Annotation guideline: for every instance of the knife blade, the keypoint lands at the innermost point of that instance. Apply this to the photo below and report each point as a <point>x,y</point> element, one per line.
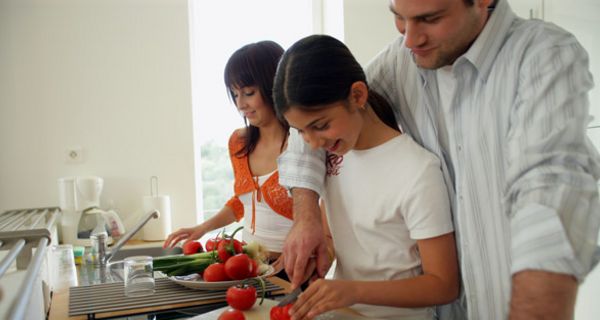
<point>293,296</point>
<point>290,297</point>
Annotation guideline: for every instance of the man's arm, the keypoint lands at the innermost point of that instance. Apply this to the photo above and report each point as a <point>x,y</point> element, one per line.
<point>552,170</point>
<point>306,239</point>
<point>542,294</point>
<point>303,170</point>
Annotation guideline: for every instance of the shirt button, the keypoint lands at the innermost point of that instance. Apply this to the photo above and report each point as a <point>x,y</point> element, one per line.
<point>459,148</point>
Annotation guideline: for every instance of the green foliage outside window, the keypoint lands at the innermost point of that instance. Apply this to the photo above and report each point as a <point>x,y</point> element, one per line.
<point>217,177</point>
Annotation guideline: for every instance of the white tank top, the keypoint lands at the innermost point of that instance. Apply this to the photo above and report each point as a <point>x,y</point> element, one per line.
<point>271,228</point>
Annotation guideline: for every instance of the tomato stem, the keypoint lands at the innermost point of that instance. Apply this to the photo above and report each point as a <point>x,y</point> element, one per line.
<point>263,287</point>
<point>230,246</point>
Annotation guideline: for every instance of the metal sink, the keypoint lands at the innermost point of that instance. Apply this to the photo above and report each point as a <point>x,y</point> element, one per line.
<point>148,251</point>
<point>89,273</point>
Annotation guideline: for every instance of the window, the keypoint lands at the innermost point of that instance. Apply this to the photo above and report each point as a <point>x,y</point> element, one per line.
<point>217,29</point>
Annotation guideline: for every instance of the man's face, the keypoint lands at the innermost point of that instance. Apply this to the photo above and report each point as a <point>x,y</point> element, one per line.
<point>439,31</point>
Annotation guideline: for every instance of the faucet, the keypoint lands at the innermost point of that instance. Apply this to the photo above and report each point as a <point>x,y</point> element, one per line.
<point>104,257</point>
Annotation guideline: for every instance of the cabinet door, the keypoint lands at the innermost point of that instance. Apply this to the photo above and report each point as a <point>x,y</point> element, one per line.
<point>532,9</point>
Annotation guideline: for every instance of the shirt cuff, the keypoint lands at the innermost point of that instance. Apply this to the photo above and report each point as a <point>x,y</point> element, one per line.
<point>431,232</point>
<point>539,242</point>
<point>298,170</point>
<point>300,166</point>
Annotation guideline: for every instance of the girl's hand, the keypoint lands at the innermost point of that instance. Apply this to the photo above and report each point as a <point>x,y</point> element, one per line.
<point>187,234</point>
<point>322,296</point>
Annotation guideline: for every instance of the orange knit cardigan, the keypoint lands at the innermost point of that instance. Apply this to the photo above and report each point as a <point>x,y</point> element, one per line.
<point>276,196</point>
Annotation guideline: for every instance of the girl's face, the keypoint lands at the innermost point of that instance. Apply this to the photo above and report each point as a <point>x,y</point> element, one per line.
<point>334,127</point>
<point>252,106</point>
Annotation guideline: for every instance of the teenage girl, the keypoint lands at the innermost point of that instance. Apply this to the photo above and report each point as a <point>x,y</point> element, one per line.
<point>258,197</point>
<point>387,204</point>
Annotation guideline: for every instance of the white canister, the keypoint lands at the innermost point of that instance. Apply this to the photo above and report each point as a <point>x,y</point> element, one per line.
<point>157,229</point>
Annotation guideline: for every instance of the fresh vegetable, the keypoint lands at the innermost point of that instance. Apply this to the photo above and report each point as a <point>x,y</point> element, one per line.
<point>192,247</point>
<point>238,267</point>
<point>254,271</point>
<point>243,296</point>
<point>215,272</point>
<point>211,244</point>
<point>281,313</point>
<point>178,265</point>
<point>232,314</point>
<point>229,246</point>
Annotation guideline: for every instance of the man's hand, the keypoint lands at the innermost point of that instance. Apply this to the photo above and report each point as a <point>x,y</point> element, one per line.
<point>542,295</point>
<point>306,239</point>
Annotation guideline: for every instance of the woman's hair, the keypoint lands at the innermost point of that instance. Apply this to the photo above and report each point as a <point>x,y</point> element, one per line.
<point>320,70</point>
<point>253,65</point>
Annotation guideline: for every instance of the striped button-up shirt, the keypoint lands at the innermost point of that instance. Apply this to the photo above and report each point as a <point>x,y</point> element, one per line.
<point>520,170</point>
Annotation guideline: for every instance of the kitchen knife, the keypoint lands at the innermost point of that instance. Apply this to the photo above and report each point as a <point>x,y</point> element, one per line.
<point>290,297</point>
<point>293,296</point>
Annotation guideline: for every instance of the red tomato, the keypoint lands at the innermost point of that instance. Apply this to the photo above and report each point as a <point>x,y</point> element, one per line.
<point>215,272</point>
<point>192,247</point>
<point>254,272</point>
<point>280,313</point>
<point>225,252</point>
<point>238,246</point>
<point>238,267</point>
<point>241,297</point>
<point>211,244</point>
<point>232,314</point>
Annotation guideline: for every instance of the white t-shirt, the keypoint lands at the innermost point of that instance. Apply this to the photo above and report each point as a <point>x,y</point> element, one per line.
<point>271,227</point>
<point>383,200</point>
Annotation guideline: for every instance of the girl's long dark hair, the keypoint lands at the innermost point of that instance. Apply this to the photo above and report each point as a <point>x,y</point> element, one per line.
<point>319,70</point>
<point>253,65</point>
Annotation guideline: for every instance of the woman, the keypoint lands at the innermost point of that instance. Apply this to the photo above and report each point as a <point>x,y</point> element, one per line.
<point>266,206</point>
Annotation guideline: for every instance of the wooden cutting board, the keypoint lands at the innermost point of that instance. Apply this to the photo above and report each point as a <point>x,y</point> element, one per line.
<point>262,313</point>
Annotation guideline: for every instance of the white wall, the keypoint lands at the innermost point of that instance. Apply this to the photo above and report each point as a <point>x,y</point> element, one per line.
<point>368,27</point>
<point>110,76</point>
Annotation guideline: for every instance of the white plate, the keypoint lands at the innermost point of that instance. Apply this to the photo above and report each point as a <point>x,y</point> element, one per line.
<point>194,281</point>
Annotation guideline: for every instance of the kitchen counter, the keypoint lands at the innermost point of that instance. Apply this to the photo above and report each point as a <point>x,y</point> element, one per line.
<point>60,305</point>
<point>89,274</point>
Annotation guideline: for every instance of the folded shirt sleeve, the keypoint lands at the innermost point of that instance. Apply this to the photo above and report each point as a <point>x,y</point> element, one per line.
<point>552,167</point>
<point>300,166</point>
<point>540,242</point>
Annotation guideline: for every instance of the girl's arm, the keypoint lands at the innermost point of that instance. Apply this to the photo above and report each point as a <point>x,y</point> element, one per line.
<point>439,284</point>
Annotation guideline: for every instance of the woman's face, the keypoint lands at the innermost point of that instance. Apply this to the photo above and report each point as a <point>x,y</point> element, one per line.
<point>334,127</point>
<point>252,106</point>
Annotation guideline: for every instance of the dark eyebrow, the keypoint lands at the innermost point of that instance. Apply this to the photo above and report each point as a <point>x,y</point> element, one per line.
<point>419,17</point>
<point>429,14</point>
<point>308,125</point>
<point>314,121</point>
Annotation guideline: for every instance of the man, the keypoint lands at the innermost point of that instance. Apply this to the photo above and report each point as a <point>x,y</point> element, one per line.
<point>503,102</point>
